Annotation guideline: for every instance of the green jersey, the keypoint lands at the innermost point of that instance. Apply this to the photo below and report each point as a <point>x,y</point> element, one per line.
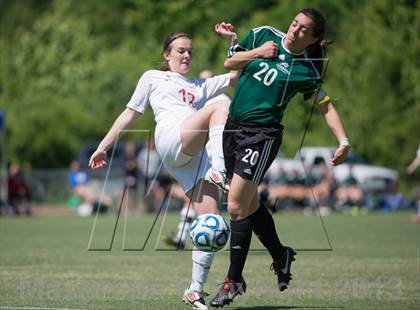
<point>266,86</point>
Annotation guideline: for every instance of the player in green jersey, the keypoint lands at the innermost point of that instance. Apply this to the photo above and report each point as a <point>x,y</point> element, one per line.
<point>253,132</point>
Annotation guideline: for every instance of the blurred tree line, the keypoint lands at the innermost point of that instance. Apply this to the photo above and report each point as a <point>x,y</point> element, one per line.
<point>68,67</point>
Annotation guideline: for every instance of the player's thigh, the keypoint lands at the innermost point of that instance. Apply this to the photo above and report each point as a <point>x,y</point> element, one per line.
<point>194,129</point>
<point>355,193</point>
<point>254,159</point>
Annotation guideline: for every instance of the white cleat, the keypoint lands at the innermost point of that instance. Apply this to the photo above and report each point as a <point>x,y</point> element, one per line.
<point>195,299</point>
<point>217,178</point>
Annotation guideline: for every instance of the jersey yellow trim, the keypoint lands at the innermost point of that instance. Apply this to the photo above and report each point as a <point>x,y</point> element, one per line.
<point>321,97</point>
<point>324,100</point>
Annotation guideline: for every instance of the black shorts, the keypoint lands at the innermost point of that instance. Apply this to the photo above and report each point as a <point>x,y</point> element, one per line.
<point>250,148</point>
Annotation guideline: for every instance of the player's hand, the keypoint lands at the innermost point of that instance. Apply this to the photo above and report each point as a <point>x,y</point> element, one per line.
<point>225,30</point>
<point>98,159</point>
<point>268,50</point>
<point>340,155</point>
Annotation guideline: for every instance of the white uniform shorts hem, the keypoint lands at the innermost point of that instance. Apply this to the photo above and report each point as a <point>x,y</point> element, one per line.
<point>187,170</point>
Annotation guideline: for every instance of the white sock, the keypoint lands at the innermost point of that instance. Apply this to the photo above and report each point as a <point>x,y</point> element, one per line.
<point>215,144</point>
<point>200,269</point>
<point>184,225</point>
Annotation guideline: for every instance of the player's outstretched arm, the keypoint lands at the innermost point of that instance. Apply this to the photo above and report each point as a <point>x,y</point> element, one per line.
<point>411,168</point>
<point>334,122</point>
<point>126,118</point>
<point>226,31</point>
<point>240,59</point>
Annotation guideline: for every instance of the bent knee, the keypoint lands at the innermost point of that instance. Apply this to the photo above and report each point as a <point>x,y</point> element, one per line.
<point>234,210</point>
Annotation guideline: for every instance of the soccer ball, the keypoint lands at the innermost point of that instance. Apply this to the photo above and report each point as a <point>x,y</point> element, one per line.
<point>209,232</point>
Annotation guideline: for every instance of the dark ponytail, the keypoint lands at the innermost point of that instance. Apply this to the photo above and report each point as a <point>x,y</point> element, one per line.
<point>167,46</point>
<point>317,50</point>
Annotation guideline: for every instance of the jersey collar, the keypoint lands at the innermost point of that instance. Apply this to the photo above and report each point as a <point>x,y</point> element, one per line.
<point>178,75</point>
<point>294,54</point>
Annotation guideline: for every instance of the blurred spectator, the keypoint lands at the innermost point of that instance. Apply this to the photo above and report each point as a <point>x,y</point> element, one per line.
<point>102,206</point>
<point>78,181</point>
<point>280,177</point>
<point>91,208</point>
<point>393,199</point>
<point>3,204</point>
<point>148,161</point>
<point>76,176</point>
<point>187,215</point>
<point>157,180</point>
<point>349,193</point>
<point>264,196</point>
<point>83,196</point>
<point>288,190</point>
<point>18,191</point>
<point>131,174</point>
<point>322,183</point>
<point>292,190</point>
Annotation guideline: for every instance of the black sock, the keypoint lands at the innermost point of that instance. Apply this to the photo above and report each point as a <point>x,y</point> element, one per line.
<point>265,229</point>
<point>240,239</point>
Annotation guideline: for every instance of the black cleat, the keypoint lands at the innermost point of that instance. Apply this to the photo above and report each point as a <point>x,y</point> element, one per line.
<point>227,292</point>
<point>282,268</point>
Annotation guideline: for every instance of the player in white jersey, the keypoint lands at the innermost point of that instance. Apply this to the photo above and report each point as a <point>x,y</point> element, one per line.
<point>187,214</point>
<point>184,124</point>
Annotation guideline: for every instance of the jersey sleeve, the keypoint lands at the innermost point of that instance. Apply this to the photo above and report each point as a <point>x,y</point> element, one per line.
<point>311,88</point>
<point>319,97</point>
<point>312,85</point>
<point>244,45</point>
<point>212,87</point>
<point>255,38</point>
<point>140,98</point>
<point>247,42</point>
<point>263,35</point>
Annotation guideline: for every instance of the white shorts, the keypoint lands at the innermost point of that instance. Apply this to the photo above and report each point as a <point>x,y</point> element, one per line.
<point>187,170</point>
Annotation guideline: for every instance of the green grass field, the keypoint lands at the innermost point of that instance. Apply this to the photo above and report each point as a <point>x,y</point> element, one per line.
<point>44,263</point>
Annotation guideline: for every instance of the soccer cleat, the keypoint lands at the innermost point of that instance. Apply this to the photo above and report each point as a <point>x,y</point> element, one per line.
<point>227,292</point>
<point>173,241</point>
<point>217,178</point>
<point>195,299</point>
<point>282,268</point>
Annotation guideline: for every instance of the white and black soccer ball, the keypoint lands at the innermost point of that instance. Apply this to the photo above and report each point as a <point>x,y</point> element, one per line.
<point>210,232</point>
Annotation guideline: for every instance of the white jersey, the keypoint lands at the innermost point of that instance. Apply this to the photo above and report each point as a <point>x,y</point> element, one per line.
<point>218,98</point>
<point>172,96</point>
